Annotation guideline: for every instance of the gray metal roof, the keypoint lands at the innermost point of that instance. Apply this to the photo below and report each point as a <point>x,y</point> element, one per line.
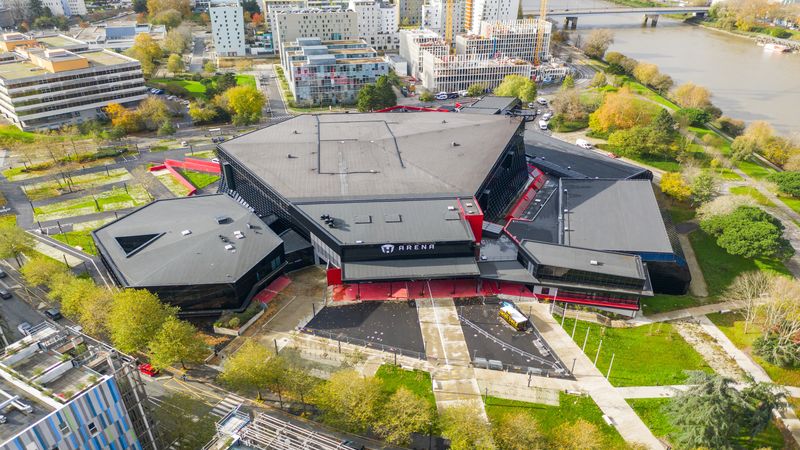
<point>609,263</point>
<point>511,271</point>
<point>617,215</point>
<point>569,160</point>
<point>491,104</point>
<point>382,221</point>
<point>410,269</point>
<point>197,258</point>
<point>374,155</point>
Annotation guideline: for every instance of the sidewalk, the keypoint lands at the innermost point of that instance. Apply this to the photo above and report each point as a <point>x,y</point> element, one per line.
<point>684,313</point>
<point>607,397</point>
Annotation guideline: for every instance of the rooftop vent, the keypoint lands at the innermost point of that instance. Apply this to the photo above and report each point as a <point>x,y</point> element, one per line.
<point>392,218</point>
<point>451,208</point>
<point>229,247</point>
<point>359,242</point>
<point>566,210</point>
<point>363,219</point>
<point>238,234</point>
<point>594,262</point>
<point>455,144</point>
<point>444,121</point>
<point>295,132</point>
<point>186,232</point>
<point>291,156</point>
<point>133,244</point>
<point>223,219</point>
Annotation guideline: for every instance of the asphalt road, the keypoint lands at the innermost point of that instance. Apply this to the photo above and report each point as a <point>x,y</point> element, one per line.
<point>15,310</point>
<point>196,63</point>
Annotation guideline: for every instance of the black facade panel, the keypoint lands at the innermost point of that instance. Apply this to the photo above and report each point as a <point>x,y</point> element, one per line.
<point>669,277</point>
<point>396,251</point>
<point>507,178</point>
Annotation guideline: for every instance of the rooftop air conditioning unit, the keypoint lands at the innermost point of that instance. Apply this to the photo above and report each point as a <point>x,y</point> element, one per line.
<point>229,247</point>
<point>186,232</point>
<point>451,208</point>
<point>594,262</point>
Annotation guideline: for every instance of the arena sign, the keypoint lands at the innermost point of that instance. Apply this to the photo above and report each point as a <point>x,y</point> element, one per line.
<point>388,249</point>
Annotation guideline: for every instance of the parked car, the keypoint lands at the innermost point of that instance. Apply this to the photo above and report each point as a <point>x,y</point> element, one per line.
<point>547,116</point>
<point>531,105</point>
<point>543,124</point>
<point>441,96</point>
<point>215,160</point>
<point>2,274</point>
<point>24,328</point>
<point>353,445</point>
<point>452,95</point>
<point>53,314</point>
<point>541,101</point>
<point>463,93</point>
<point>583,143</point>
<point>148,370</point>
<point>4,294</point>
<point>184,144</point>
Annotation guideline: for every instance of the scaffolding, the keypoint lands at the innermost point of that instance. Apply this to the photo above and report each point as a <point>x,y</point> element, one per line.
<point>510,38</point>
<point>452,73</point>
<point>270,433</point>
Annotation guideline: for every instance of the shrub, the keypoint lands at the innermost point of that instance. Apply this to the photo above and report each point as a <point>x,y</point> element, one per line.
<point>768,348</point>
<point>788,182</point>
<point>234,322</point>
<point>780,33</point>
<point>692,116</point>
<point>730,126</point>
<point>748,232</point>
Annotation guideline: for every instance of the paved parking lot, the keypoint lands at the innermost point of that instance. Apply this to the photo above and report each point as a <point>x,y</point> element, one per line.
<point>488,336</point>
<point>392,324</point>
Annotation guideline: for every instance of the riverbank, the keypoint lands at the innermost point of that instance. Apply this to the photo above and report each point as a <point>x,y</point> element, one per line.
<point>710,25</point>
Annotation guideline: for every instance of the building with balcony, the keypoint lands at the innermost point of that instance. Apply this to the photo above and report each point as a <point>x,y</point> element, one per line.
<point>227,28</point>
<point>60,389</point>
<point>67,8</point>
<point>414,42</point>
<point>330,72</point>
<point>45,86</point>
<point>329,24</point>
<point>410,12</point>
<point>512,39</point>
<point>377,23</point>
<point>477,11</point>
<point>452,73</point>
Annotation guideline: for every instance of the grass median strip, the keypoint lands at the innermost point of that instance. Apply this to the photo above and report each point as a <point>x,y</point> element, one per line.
<point>54,188</point>
<point>111,200</point>
<point>174,186</point>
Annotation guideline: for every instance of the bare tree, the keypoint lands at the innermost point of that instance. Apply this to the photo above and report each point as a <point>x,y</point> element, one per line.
<point>781,313</point>
<point>750,290</point>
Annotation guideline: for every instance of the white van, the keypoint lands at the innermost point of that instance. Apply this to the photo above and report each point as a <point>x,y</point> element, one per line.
<point>543,124</point>
<point>583,143</point>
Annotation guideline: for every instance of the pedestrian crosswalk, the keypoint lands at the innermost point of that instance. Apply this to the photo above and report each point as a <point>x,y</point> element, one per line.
<point>227,405</point>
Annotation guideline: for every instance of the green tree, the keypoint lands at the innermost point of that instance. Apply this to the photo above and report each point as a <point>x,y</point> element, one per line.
<point>673,184</point>
<point>175,63</point>
<point>243,103</point>
<point>349,401</point>
<point>664,123</point>
<point>743,147</point>
<point>599,80</point>
<point>247,368</point>
<point>705,187</point>
<point>140,6</point>
<point>170,18</point>
<point>788,182</point>
<point>517,86</point>
<point>209,67</point>
<point>14,241</point>
<point>153,112</point>
<point>475,90</point>
<point>580,435</point>
<point>135,318</point>
<point>518,431</point>
<point>146,50</point>
<point>426,96</point>
<point>597,43</point>
<point>177,341</point>
<point>466,429</point>
<point>178,39</point>
<point>166,128</point>
<point>749,232</point>
<point>42,271</point>
<point>367,98</point>
<point>712,412</point>
<point>377,96</point>
<point>403,414</point>
<point>300,384</point>
<point>568,83</point>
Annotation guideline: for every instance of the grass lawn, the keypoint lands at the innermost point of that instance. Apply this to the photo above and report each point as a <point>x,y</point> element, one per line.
<point>732,324</point>
<point>110,200</point>
<point>755,169</point>
<point>760,198</point>
<point>728,174</point>
<point>197,89</point>
<point>552,418</point>
<point>560,125</point>
<point>173,185</point>
<point>651,411</point>
<point>8,219</point>
<point>205,154</point>
<point>791,202</point>
<point>54,188</point>
<point>416,381</point>
<point>720,268</point>
<point>651,355</point>
<point>679,213</point>
<point>659,162</point>
<point>245,80</point>
<point>662,303</point>
<point>200,179</point>
<point>82,239</point>
<point>650,94</point>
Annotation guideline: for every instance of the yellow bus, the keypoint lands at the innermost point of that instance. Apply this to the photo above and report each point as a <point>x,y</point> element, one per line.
<point>513,317</point>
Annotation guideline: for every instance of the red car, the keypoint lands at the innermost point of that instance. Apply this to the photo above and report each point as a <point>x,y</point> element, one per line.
<point>148,370</point>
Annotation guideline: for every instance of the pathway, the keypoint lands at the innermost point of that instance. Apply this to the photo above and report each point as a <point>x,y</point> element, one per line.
<point>453,377</point>
<point>629,425</point>
<point>697,286</point>
<point>684,313</point>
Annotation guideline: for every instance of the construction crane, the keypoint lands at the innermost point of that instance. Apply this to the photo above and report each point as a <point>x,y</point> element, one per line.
<point>537,48</point>
<point>448,23</point>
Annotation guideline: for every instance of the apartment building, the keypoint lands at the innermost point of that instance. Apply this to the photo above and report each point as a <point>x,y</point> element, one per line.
<point>477,11</point>
<point>377,23</point>
<point>270,7</point>
<point>66,7</point>
<point>227,28</point>
<point>414,42</point>
<point>330,72</point>
<point>60,389</point>
<point>433,16</point>
<point>456,72</point>
<point>47,87</point>
<point>326,24</point>
<point>510,38</point>
<point>117,36</point>
<point>410,11</point>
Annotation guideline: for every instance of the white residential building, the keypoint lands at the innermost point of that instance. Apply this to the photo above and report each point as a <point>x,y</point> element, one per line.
<point>325,24</point>
<point>457,72</point>
<point>412,44</point>
<point>410,11</point>
<point>227,28</point>
<point>66,7</point>
<point>433,16</point>
<point>477,11</point>
<point>377,23</point>
<point>512,38</point>
<point>270,7</point>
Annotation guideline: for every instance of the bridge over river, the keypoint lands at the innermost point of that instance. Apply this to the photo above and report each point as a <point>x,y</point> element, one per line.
<point>649,13</point>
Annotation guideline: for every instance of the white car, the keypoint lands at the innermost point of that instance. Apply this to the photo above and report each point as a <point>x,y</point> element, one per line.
<point>541,101</point>
<point>462,93</point>
<point>543,124</point>
<point>547,116</point>
<point>184,143</point>
<point>441,96</point>
<point>583,143</point>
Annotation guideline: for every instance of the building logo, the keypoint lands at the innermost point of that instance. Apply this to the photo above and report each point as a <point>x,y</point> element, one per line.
<point>387,248</point>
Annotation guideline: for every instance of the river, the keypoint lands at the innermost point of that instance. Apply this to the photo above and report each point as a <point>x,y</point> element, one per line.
<point>747,83</point>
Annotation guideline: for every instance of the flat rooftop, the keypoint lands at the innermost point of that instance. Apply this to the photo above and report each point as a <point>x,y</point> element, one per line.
<point>59,41</point>
<point>149,247</point>
<point>618,215</point>
<point>379,222</point>
<point>609,263</point>
<point>16,420</point>
<point>375,155</point>
<point>24,69</point>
